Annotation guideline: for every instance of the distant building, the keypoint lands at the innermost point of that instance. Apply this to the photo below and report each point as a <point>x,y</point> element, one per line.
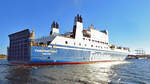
<point>139,52</point>
<point>2,56</point>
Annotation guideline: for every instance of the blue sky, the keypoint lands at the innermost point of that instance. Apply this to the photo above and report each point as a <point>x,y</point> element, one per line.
<point>128,21</point>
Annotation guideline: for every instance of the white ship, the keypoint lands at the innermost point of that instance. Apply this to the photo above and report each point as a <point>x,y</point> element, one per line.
<point>76,47</point>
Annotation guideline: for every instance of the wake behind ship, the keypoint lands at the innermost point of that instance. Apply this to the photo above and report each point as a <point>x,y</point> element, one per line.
<point>77,47</point>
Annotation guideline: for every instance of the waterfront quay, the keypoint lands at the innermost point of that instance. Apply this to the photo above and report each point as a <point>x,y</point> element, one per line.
<point>2,56</point>
<point>138,57</point>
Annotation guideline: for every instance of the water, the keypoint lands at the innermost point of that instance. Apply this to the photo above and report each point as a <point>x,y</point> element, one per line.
<point>135,72</point>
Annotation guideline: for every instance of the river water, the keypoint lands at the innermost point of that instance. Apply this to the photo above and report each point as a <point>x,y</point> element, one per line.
<point>131,72</point>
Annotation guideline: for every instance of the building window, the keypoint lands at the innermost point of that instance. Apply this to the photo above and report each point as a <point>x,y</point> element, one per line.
<point>74,43</point>
<point>66,42</point>
<point>91,45</point>
<point>85,44</point>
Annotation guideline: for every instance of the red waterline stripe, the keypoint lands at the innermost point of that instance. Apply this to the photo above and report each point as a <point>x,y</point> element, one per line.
<point>40,64</point>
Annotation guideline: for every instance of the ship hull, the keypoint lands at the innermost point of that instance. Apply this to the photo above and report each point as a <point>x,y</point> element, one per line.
<point>60,54</point>
<point>62,63</point>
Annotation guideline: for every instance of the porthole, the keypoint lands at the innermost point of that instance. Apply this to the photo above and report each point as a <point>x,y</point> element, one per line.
<point>48,58</point>
<point>66,42</point>
<point>79,44</point>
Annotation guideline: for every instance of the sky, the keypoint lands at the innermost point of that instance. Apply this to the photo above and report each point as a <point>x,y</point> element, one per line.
<point>128,21</point>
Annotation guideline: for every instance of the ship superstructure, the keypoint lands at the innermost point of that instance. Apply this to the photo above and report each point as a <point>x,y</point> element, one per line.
<point>79,46</point>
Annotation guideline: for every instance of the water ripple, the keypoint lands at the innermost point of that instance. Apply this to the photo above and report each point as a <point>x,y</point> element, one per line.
<point>136,72</point>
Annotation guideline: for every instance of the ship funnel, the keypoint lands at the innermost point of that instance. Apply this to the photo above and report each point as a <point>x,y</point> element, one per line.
<point>78,27</point>
<point>54,28</point>
<point>53,24</point>
<point>78,18</point>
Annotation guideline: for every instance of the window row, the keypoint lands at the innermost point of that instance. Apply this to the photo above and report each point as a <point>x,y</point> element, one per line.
<point>66,42</point>
<point>95,41</point>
